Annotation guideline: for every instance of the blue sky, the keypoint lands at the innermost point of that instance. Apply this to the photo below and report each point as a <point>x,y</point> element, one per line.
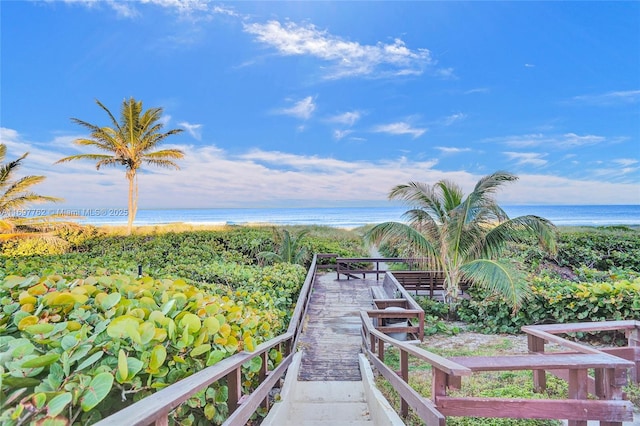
<point>328,104</point>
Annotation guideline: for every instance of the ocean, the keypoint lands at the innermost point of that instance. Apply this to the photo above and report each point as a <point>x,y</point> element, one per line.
<point>352,217</point>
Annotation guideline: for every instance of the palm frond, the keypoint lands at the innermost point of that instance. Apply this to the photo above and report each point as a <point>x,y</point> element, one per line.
<point>451,195</point>
<point>99,157</point>
<point>498,278</point>
<point>421,196</point>
<point>115,123</point>
<point>168,164</point>
<point>518,230</point>
<point>165,153</point>
<point>389,232</point>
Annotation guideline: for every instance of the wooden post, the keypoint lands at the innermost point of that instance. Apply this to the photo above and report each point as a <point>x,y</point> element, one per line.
<point>162,421</point>
<point>263,375</point>
<point>438,384</point>
<point>536,345</point>
<point>578,390</point>
<point>234,380</point>
<point>404,373</point>
<point>613,380</point>
<point>633,337</point>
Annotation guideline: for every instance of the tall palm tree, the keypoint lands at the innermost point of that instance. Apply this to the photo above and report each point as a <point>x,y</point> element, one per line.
<point>129,143</point>
<point>16,195</point>
<point>464,236</point>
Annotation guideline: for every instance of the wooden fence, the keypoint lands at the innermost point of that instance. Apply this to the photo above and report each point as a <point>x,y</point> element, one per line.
<point>610,376</point>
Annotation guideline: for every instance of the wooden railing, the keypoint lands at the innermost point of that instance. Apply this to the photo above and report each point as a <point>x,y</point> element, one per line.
<point>373,342</point>
<point>157,407</point>
<point>394,295</point>
<point>351,267</point>
<point>610,377</point>
<point>538,335</point>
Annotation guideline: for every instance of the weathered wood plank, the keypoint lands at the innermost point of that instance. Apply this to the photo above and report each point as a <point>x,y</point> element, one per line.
<point>331,339</point>
<point>613,411</point>
<point>542,362</point>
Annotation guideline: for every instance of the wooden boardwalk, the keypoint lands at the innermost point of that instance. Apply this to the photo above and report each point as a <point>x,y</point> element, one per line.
<point>331,339</point>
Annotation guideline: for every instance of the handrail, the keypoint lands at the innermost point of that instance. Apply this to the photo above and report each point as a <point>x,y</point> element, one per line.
<point>156,407</point>
<point>374,340</point>
<point>341,262</point>
<point>538,335</point>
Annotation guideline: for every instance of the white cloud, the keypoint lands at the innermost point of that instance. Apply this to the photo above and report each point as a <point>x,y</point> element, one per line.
<point>212,177</point>
<point>477,90</point>
<point>348,58</point>
<point>448,121</point>
<point>625,162</point>
<point>399,128</point>
<point>348,118</point>
<point>193,9</point>
<point>339,134</point>
<point>527,158</point>
<point>302,109</point>
<point>195,130</point>
<point>571,140</point>
<point>451,150</point>
<point>529,65</point>
<point>565,141</point>
<point>610,98</point>
<point>122,9</point>
<point>551,189</point>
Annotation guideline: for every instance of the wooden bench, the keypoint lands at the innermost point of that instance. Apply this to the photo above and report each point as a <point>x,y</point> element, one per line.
<point>426,283</point>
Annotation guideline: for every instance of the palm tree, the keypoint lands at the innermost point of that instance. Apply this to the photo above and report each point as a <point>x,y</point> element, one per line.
<point>15,195</point>
<point>129,143</point>
<point>290,248</point>
<point>465,236</point>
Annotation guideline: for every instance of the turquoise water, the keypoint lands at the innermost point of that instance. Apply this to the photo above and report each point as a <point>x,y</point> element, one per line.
<point>350,217</point>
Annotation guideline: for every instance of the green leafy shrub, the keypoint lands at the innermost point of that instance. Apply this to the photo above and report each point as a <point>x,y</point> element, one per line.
<point>555,301</point>
<point>72,349</point>
<point>34,246</point>
<point>600,248</point>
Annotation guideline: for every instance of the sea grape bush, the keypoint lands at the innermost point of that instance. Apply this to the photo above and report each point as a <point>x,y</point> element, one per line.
<point>196,256</point>
<point>604,249</point>
<point>557,301</point>
<point>76,350</point>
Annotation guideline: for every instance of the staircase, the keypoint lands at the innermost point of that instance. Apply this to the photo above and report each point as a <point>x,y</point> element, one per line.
<point>330,381</point>
<point>331,403</point>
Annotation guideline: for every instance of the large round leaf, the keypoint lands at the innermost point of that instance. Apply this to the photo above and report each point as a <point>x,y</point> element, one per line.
<point>212,325</point>
<point>98,389</point>
<point>110,301</point>
<point>123,368</point>
<point>41,361</point>
<point>158,356</point>
<point>58,403</point>
<point>191,321</point>
<point>120,326</point>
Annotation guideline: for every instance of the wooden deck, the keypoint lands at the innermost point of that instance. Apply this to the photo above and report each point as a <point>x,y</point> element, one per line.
<point>330,338</point>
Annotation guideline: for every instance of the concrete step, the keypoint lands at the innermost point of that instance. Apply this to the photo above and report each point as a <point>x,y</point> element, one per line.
<point>331,403</point>
<point>329,392</point>
<point>330,423</point>
<point>331,413</point>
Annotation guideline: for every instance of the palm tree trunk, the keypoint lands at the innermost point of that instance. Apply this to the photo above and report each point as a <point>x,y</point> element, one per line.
<point>132,202</point>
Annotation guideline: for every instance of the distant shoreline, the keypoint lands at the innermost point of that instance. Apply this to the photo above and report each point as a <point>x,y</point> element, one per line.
<point>353,217</point>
